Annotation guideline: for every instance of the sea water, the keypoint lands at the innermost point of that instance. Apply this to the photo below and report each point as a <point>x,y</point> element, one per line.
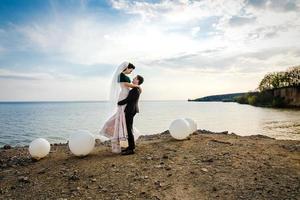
<point>21,122</point>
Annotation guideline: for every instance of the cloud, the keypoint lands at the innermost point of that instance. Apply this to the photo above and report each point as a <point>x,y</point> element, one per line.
<point>88,42</point>
<point>145,9</point>
<point>252,62</point>
<point>257,3</point>
<point>50,75</point>
<point>178,11</point>
<point>53,89</point>
<point>268,32</point>
<point>180,37</point>
<point>159,30</point>
<point>239,21</point>
<point>276,5</point>
<point>8,74</point>
<point>23,86</point>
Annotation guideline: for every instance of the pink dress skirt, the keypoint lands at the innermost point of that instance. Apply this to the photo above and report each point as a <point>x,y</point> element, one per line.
<point>115,128</point>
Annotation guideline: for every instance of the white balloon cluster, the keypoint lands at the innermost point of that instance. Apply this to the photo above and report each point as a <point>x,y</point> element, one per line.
<point>193,124</point>
<point>81,143</point>
<point>39,148</point>
<point>182,128</point>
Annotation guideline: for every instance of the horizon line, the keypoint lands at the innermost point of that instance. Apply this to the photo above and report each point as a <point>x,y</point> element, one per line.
<point>74,101</point>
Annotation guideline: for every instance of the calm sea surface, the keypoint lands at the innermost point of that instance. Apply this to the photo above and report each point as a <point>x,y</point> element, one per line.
<point>20,123</point>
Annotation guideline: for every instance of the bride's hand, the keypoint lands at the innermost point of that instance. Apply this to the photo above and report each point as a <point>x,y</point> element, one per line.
<point>130,85</point>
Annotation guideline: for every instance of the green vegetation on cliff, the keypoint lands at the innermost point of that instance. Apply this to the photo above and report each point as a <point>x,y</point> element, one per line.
<point>275,80</point>
<point>272,81</point>
<point>264,99</point>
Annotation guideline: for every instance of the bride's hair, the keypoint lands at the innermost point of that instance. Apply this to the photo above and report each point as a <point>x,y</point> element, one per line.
<point>130,66</point>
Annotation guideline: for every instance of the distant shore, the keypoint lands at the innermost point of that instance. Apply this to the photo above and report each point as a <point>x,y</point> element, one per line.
<point>284,97</point>
<point>207,165</point>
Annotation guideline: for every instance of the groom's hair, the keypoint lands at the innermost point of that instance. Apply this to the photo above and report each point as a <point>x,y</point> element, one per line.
<point>140,78</point>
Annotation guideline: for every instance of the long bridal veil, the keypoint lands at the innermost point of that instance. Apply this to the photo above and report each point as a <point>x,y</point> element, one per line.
<point>115,88</point>
<point>113,97</point>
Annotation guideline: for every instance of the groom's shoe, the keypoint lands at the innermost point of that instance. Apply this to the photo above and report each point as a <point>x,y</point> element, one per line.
<point>127,152</point>
<point>124,149</point>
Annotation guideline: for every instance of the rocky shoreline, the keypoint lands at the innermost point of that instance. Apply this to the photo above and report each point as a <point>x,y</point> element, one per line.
<point>207,165</point>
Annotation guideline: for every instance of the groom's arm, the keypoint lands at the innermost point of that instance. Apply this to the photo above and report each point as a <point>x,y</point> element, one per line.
<point>132,96</point>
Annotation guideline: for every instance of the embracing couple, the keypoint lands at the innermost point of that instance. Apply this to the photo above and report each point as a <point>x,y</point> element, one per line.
<point>124,96</point>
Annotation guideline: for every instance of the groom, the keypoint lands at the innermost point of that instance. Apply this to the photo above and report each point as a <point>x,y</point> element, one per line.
<point>130,110</point>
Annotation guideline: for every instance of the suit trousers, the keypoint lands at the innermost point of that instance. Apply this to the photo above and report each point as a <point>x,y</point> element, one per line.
<point>129,123</point>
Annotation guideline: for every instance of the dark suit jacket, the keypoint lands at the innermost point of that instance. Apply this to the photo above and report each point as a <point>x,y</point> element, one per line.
<point>131,101</point>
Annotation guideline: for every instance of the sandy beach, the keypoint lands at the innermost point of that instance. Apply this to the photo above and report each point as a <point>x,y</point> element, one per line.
<point>207,165</point>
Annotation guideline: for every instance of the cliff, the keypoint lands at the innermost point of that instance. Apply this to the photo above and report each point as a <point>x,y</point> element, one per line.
<point>290,95</point>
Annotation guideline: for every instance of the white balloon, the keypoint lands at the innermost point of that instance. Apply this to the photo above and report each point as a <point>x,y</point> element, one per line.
<point>81,143</point>
<point>179,129</point>
<point>39,148</point>
<point>192,124</point>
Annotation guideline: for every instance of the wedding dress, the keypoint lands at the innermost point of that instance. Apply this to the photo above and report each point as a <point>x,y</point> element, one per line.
<point>115,127</point>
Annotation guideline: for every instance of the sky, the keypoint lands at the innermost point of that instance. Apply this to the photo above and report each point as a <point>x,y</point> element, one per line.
<point>67,50</point>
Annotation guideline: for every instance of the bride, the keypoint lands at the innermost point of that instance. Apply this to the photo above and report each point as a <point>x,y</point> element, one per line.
<point>115,127</point>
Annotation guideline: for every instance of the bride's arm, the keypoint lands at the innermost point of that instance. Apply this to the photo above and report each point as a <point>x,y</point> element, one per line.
<point>130,85</point>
